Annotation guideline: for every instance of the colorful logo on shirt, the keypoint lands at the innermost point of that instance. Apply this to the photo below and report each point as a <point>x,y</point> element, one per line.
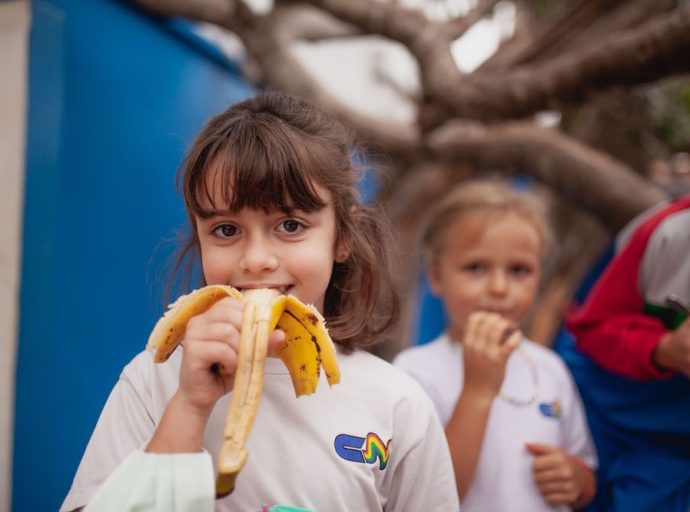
<point>551,409</point>
<point>365,450</point>
<point>283,508</point>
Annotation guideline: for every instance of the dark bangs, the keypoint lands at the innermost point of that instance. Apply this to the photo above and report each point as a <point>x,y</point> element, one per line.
<point>272,152</point>
<point>257,163</point>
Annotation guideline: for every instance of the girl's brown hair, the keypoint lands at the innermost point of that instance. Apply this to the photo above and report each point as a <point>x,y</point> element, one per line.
<point>271,150</point>
<point>491,197</point>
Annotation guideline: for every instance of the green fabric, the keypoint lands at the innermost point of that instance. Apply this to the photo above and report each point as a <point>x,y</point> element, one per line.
<point>283,508</point>
<point>151,482</point>
<point>670,317</point>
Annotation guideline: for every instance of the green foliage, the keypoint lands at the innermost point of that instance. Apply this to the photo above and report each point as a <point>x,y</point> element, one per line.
<point>669,104</point>
<point>543,7</point>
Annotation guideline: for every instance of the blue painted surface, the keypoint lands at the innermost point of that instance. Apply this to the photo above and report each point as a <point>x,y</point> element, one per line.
<point>431,319</point>
<point>115,97</point>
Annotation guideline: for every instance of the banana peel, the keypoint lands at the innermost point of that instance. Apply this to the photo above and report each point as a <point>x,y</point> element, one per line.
<point>306,349</point>
<point>169,330</point>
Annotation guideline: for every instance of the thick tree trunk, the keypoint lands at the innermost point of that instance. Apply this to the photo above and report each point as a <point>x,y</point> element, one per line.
<point>596,182</point>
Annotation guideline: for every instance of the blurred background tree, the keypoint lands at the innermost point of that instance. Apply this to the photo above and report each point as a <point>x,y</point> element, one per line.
<point>590,99</point>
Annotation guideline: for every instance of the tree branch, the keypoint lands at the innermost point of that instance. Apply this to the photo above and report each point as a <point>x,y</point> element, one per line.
<point>563,25</point>
<point>457,28</point>
<point>306,23</point>
<point>269,47</point>
<point>425,39</point>
<point>600,184</point>
<point>211,11</point>
<point>655,50</point>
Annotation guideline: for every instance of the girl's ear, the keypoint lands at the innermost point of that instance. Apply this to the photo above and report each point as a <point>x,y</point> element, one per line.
<point>342,250</point>
<point>434,277</point>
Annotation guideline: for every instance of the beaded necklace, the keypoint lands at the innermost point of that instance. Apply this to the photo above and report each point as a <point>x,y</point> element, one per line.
<point>535,383</point>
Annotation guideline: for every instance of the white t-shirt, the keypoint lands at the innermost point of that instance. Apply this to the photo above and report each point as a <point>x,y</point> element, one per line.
<point>372,442</point>
<point>503,479</point>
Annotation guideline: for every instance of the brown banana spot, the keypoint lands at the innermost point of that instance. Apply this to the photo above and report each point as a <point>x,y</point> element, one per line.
<point>223,494</point>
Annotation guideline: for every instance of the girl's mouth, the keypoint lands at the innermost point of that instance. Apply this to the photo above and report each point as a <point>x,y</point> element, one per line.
<point>284,290</point>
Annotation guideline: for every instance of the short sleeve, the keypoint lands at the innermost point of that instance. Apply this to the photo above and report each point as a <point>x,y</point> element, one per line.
<point>424,479</point>
<point>124,426</point>
<point>152,482</point>
<point>577,439</point>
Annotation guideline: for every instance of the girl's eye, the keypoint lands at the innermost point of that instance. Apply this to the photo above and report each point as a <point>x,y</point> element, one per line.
<point>290,226</point>
<point>520,270</point>
<point>473,268</point>
<point>225,231</point>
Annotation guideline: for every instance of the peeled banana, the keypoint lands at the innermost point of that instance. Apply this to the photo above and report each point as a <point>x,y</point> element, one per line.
<point>307,347</point>
<point>169,330</point>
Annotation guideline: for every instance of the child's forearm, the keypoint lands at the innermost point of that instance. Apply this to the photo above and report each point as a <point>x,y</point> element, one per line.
<point>465,433</point>
<point>180,430</point>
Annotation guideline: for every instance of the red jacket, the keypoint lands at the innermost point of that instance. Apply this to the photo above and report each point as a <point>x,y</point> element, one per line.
<point>614,327</point>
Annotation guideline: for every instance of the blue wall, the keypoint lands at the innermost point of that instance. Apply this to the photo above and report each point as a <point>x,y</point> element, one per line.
<point>115,97</point>
<point>430,318</point>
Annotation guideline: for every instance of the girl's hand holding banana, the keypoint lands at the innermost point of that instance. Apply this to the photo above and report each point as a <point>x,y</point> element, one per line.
<point>211,342</point>
<point>227,335</point>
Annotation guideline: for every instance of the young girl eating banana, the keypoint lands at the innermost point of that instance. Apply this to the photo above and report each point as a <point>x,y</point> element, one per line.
<point>514,421</point>
<point>272,202</point>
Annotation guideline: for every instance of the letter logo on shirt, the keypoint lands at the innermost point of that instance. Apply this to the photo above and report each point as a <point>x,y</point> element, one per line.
<point>551,409</point>
<point>364,450</point>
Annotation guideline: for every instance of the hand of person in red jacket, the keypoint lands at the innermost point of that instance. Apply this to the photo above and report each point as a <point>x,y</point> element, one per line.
<point>673,351</point>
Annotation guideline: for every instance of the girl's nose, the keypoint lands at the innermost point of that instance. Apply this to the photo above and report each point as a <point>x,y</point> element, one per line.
<point>258,256</point>
<point>498,283</point>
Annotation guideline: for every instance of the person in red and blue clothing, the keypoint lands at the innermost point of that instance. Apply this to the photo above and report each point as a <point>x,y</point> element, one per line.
<point>630,356</point>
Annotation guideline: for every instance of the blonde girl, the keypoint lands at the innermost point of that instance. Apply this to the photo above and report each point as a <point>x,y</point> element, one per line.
<point>513,418</point>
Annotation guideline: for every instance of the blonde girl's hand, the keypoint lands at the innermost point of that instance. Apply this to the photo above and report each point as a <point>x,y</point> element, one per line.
<point>559,478</point>
<point>212,341</point>
<point>488,341</point>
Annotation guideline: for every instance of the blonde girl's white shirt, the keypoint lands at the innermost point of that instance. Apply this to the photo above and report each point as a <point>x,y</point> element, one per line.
<point>503,478</point>
<point>296,444</point>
